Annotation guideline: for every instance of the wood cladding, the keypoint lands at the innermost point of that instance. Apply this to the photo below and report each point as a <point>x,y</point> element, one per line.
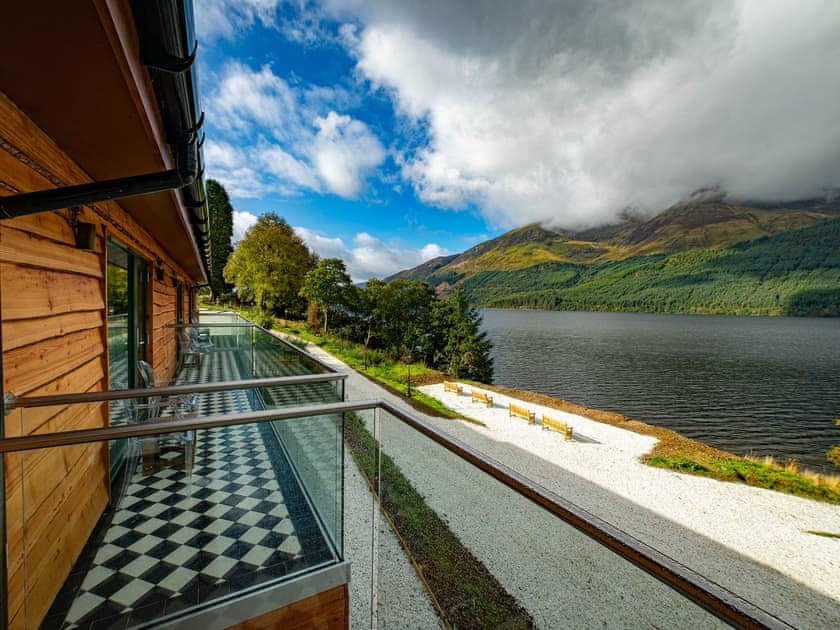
<point>327,610</point>
<point>53,306</point>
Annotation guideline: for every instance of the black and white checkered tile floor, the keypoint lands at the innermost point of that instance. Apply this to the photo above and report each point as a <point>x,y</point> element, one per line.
<point>169,545</point>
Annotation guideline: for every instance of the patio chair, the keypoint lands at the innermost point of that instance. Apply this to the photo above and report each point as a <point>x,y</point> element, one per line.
<point>190,351</point>
<point>177,405</point>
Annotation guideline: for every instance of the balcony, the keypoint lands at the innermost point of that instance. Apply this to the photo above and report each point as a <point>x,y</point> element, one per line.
<point>259,520</point>
<point>203,517</point>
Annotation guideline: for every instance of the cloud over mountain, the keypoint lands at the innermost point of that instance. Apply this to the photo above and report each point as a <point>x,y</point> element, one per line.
<point>568,112</point>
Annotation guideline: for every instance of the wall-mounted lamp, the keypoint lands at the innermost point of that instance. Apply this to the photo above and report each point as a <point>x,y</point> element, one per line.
<point>83,232</point>
<point>159,270</point>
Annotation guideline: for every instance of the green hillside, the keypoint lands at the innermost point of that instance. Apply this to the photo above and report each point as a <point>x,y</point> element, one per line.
<point>700,256</point>
<point>793,273</point>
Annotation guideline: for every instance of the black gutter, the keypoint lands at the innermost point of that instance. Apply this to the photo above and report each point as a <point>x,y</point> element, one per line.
<point>168,49</point>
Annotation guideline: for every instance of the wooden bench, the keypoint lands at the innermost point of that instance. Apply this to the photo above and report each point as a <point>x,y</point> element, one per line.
<point>522,412</point>
<point>449,386</point>
<point>552,423</point>
<point>482,397</point>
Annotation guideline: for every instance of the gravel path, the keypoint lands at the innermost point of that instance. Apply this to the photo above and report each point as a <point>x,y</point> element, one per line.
<point>749,540</point>
<point>405,603</point>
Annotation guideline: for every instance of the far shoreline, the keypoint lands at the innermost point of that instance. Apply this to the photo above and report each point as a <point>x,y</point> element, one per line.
<point>669,313</point>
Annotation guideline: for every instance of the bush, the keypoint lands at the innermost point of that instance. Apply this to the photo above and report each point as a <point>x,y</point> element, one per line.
<point>834,455</point>
<point>263,319</point>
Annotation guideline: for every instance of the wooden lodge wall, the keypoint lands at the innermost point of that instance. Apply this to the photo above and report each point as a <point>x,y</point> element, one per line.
<point>54,336</point>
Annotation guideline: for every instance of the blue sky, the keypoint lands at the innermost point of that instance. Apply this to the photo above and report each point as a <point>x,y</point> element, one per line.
<point>337,140</point>
<point>389,132</point>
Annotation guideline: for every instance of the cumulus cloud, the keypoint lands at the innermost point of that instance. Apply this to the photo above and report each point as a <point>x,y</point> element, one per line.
<point>366,256</point>
<point>281,138</point>
<point>342,152</point>
<point>569,112</point>
<point>242,220</point>
<point>227,19</point>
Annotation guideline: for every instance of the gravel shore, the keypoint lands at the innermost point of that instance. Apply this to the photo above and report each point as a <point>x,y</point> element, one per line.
<point>749,540</point>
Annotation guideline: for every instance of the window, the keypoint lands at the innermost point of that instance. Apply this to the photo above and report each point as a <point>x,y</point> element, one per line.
<point>127,319</point>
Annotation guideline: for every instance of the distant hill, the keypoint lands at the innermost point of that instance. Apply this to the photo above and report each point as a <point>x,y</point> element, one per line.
<point>702,256</point>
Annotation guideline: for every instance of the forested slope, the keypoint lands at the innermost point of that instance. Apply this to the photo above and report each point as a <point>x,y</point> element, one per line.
<point>793,273</point>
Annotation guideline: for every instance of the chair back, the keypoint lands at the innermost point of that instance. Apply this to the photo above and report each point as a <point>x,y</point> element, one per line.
<point>147,374</point>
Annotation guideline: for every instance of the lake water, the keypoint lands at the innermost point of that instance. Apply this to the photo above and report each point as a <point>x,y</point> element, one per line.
<point>762,385</point>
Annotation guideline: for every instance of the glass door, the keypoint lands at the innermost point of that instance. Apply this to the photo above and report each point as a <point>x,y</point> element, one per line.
<point>127,288</point>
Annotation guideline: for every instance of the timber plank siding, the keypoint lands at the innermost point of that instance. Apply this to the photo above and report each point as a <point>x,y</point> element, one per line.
<point>328,610</point>
<point>53,306</point>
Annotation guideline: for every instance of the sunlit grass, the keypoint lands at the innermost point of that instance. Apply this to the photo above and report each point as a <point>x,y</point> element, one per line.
<point>400,378</point>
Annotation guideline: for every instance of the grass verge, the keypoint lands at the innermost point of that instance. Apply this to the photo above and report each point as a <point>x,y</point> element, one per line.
<point>469,596</point>
<point>393,375</point>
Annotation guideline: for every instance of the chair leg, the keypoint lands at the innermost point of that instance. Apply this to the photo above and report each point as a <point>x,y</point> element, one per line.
<point>189,458</point>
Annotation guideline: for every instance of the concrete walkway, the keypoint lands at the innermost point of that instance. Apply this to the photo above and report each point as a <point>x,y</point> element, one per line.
<point>560,576</point>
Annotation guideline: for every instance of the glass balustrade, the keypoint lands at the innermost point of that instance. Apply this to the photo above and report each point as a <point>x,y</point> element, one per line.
<point>490,556</point>
<point>190,518</point>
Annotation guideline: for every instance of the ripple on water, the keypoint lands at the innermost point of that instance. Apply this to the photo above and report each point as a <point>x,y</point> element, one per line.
<point>769,386</point>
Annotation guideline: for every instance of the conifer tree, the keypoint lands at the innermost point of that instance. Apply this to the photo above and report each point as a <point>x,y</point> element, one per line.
<point>221,233</point>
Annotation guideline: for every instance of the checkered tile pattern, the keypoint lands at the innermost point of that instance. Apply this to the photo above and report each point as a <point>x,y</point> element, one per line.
<point>169,545</point>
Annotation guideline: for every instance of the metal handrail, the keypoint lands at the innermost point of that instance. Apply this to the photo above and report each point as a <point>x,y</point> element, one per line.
<point>248,324</point>
<point>213,325</point>
<point>13,403</point>
<point>716,599</point>
<point>175,425</point>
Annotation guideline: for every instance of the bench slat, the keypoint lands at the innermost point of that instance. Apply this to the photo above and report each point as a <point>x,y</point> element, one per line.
<point>557,425</point>
<point>522,412</point>
<point>482,397</point>
<point>449,386</point>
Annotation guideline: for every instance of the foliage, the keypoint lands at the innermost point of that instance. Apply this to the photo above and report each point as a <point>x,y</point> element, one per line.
<point>328,285</point>
<point>221,233</point>
<point>793,273</point>
<point>409,322</point>
<point>117,290</point>
<point>269,264</point>
<point>463,351</point>
<point>833,454</point>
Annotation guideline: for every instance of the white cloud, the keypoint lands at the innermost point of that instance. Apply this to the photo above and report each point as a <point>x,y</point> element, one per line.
<point>279,138</point>
<point>368,257</point>
<point>242,220</point>
<point>243,99</point>
<point>432,250</point>
<point>343,153</point>
<point>569,112</point>
<point>228,19</point>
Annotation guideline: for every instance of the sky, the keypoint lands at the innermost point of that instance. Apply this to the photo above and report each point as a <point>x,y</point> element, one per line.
<point>391,132</point>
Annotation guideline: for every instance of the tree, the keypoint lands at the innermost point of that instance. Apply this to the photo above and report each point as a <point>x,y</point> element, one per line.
<point>466,351</point>
<point>269,264</point>
<point>404,309</point>
<point>221,233</point>
<point>327,285</point>
<point>371,308</point>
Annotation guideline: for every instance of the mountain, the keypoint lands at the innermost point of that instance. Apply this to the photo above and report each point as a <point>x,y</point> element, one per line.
<point>704,255</point>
